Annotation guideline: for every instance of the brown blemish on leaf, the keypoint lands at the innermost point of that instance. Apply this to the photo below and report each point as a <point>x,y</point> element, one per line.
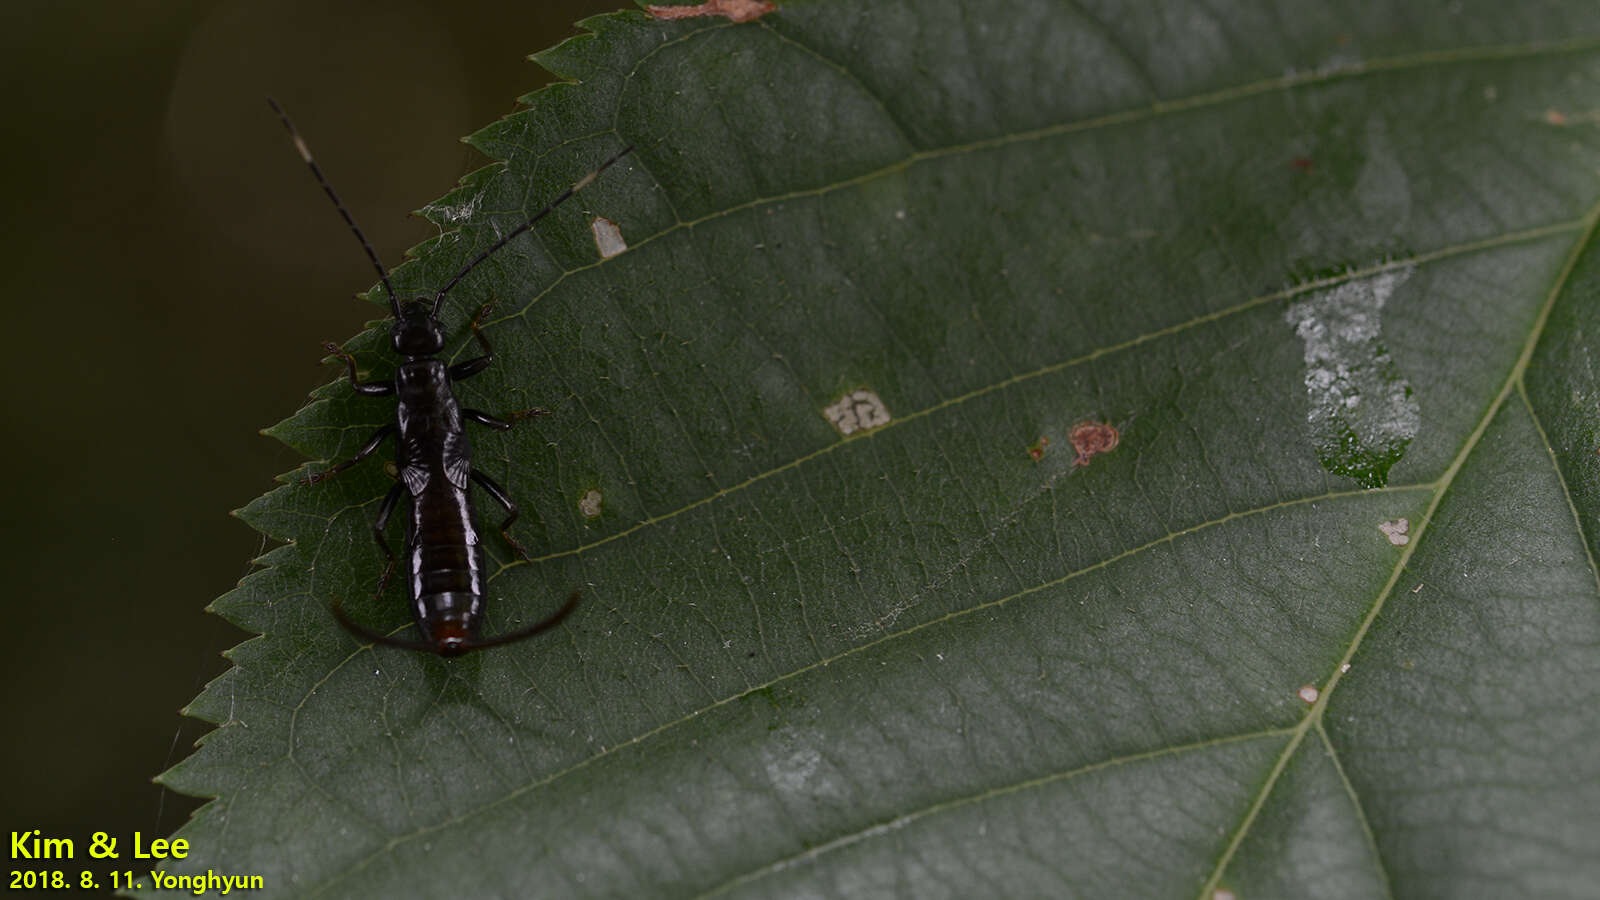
<point>1091,439</point>
<point>1036,452</point>
<point>1555,117</point>
<point>732,10</point>
<point>1303,163</point>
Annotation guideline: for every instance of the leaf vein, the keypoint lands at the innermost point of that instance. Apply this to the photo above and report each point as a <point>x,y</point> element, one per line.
<point>1566,490</point>
<point>1360,810</point>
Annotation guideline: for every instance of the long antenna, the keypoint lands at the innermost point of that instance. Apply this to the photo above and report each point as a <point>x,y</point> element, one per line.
<point>305,154</point>
<point>438,299</point>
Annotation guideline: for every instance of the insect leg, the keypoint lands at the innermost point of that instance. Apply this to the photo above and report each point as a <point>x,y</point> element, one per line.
<point>350,625</point>
<point>366,451</point>
<point>378,525</point>
<point>501,497</point>
<point>471,367</point>
<point>483,418</point>
<point>369,388</point>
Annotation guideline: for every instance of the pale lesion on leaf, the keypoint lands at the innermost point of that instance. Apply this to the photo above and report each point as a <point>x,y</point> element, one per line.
<point>1397,531</point>
<point>732,10</point>
<point>857,411</point>
<point>607,237</point>
<point>590,503</point>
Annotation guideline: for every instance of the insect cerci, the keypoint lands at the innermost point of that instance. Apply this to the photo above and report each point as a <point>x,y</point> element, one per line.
<point>443,548</point>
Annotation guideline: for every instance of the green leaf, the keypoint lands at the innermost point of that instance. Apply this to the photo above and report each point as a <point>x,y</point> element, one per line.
<point>1325,621</point>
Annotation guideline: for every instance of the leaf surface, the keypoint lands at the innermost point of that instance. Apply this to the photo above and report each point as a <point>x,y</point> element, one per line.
<point>860,619</point>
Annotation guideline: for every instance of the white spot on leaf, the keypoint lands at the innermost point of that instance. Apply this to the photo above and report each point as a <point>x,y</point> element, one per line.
<point>1362,415</point>
<point>607,237</point>
<point>1395,530</point>
<point>1309,693</point>
<point>861,410</point>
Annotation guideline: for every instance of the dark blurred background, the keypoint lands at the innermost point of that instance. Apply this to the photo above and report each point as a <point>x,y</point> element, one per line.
<point>170,270</point>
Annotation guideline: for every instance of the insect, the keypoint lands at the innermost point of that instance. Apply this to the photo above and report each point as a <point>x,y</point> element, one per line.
<point>443,550</point>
